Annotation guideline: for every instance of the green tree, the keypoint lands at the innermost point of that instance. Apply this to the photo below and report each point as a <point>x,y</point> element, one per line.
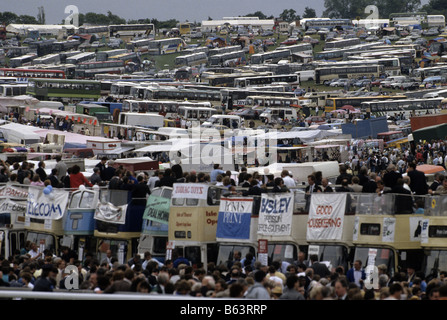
<point>8,17</point>
<point>258,14</point>
<point>309,13</point>
<point>26,19</point>
<point>288,15</point>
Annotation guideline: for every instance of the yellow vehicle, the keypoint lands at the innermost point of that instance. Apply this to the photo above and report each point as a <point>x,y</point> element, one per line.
<point>45,217</point>
<point>13,200</point>
<point>119,228</point>
<point>193,222</point>
<point>386,231</point>
<point>433,233</point>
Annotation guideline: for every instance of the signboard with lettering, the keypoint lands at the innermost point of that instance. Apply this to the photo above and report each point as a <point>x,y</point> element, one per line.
<point>157,209</point>
<point>275,214</point>
<point>190,190</point>
<point>234,218</point>
<point>13,192</point>
<point>326,213</point>
<point>50,206</point>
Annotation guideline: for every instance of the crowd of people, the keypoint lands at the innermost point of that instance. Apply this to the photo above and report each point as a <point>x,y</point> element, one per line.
<point>241,277</point>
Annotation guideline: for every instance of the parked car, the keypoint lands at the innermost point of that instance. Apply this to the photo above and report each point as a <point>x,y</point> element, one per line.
<point>362,83</point>
<point>290,41</point>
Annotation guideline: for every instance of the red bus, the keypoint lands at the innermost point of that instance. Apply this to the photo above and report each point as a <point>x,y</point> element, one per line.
<point>22,74</point>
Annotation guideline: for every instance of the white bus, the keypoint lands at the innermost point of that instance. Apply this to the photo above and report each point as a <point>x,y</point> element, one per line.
<point>53,58</point>
<point>230,121</point>
<point>25,60</point>
<point>12,89</point>
<point>391,65</point>
<point>407,106</point>
<point>193,113</point>
<point>437,20</point>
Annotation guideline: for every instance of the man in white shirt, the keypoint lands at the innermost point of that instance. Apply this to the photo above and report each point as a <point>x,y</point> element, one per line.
<point>34,252</point>
<point>288,180</point>
<point>153,180</point>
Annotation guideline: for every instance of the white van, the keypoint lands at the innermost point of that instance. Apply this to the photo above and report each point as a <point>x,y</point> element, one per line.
<point>273,113</point>
<point>230,121</point>
<point>306,75</point>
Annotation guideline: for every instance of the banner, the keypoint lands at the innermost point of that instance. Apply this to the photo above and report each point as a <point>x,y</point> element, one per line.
<point>190,191</point>
<point>13,192</point>
<point>233,221</point>
<point>275,214</point>
<point>107,212</point>
<point>326,214</point>
<point>157,209</point>
<point>46,206</point>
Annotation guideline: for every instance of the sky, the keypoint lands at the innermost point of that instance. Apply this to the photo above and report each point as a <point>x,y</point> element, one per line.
<point>182,10</point>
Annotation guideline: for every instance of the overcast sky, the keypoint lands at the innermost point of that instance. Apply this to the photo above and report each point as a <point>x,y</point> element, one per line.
<point>191,10</point>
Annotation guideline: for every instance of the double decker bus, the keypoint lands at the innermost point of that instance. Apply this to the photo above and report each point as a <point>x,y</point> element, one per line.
<point>391,65</point>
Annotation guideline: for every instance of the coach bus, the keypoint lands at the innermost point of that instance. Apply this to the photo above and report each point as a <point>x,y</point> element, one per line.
<point>234,58</point>
<point>328,23</point>
<point>24,74</point>
<point>337,44</point>
<point>405,105</point>
<point>12,89</point>
<point>194,59</point>
<point>25,60</point>
<point>88,70</point>
<point>244,82</point>
<point>324,74</point>
<point>270,57</point>
<point>335,103</point>
<point>81,57</point>
<point>133,30</point>
<point>165,93</point>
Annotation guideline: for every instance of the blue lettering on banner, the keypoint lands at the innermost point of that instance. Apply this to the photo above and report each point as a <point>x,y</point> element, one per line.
<point>44,210</point>
<point>270,206</point>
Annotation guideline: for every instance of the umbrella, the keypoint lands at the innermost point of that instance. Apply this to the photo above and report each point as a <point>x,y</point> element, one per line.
<point>348,107</point>
<point>338,111</point>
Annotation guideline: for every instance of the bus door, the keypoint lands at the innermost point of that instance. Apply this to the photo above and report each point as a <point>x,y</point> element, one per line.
<point>193,222</point>
<point>385,232</point>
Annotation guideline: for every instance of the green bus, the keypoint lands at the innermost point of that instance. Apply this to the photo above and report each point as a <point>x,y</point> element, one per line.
<point>51,89</point>
<point>102,113</point>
